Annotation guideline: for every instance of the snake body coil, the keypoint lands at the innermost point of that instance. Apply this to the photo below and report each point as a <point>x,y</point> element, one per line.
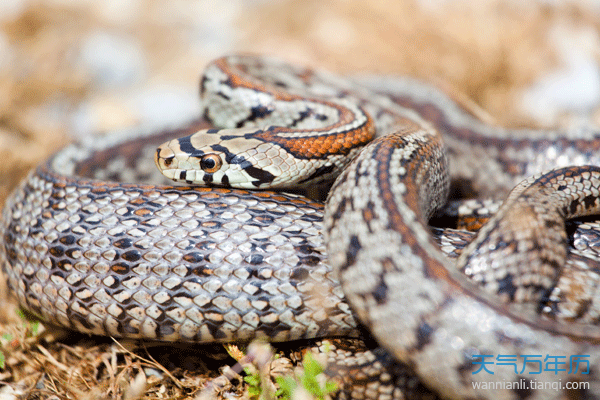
<point>144,259</point>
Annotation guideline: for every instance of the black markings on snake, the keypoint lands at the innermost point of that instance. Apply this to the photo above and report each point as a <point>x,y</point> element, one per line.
<point>256,112</point>
<point>311,261</point>
<point>303,115</point>
<point>379,293</point>
<point>67,240</point>
<point>300,274</point>
<point>207,178</point>
<point>280,84</point>
<point>250,135</point>
<point>120,268</point>
<point>260,175</point>
<point>57,251</point>
<point>324,170</point>
<point>353,249</point>
<point>223,95</point>
<point>305,249</point>
<point>153,204</point>
<point>187,147</point>
<point>131,255</point>
<point>80,321</point>
<point>65,265</point>
<point>572,207</point>
<point>116,283</point>
<point>506,285</point>
<point>72,253</point>
<point>255,259</point>
<point>341,205</point>
<point>129,211</point>
<point>193,257</point>
<point>166,328</point>
<point>590,201</point>
<point>230,157</point>
<point>203,81</point>
<point>206,115</point>
<point>424,333</point>
<point>552,224</point>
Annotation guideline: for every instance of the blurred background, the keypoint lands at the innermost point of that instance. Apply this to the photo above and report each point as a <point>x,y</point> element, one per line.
<point>79,67</point>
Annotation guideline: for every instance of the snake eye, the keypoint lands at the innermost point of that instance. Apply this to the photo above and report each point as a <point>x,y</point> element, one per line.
<point>210,163</point>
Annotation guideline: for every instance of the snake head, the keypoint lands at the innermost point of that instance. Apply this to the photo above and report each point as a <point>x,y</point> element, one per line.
<point>225,157</point>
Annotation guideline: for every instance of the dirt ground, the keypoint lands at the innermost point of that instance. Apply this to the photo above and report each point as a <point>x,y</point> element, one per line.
<point>70,69</point>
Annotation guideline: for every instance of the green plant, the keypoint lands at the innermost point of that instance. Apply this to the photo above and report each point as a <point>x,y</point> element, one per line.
<point>253,381</point>
<point>259,386</point>
<point>309,380</point>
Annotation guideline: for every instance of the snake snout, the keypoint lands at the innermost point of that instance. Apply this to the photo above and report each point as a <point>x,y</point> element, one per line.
<point>164,156</point>
<point>166,161</point>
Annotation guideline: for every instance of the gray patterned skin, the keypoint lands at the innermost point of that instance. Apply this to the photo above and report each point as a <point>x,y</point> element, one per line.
<point>452,319</point>
<point>168,263</point>
<point>174,263</point>
<point>147,260</point>
<point>363,372</point>
<point>492,159</point>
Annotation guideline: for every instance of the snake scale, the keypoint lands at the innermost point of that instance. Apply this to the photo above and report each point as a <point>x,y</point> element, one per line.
<point>96,240</point>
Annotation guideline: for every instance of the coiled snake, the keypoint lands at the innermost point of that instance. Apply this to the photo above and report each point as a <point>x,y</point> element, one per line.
<point>144,259</point>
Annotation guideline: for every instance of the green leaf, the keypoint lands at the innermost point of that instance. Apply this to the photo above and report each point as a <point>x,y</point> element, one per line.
<point>311,365</point>
<point>254,392</point>
<point>308,380</point>
<point>287,386</point>
<point>253,379</point>
<point>330,387</point>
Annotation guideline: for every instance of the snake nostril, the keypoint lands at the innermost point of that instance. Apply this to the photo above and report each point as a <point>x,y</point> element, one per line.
<point>164,157</point>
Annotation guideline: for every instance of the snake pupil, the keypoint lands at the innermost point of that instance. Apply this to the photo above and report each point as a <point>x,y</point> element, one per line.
<point>210,163</point>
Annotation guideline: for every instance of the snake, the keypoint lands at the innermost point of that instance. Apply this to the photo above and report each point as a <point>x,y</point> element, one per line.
<point>98,240</point>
